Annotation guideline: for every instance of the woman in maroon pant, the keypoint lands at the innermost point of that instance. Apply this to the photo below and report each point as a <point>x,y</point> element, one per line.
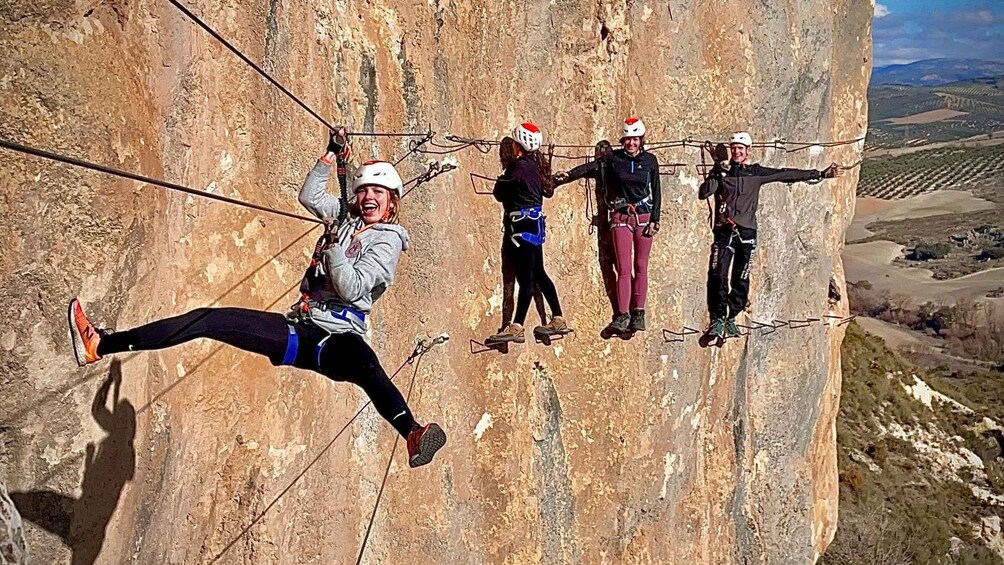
<point>634,195</point>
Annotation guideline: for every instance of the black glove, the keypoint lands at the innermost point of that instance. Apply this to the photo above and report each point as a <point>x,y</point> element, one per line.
<point>338,140</point>
<point>721,155</point>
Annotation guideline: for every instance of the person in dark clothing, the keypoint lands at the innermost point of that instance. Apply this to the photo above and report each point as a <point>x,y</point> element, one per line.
<point>634,196</point>
<point>735,184</point>
<point>507,155</point>
<point>354,263</point>
<point>521,189</point>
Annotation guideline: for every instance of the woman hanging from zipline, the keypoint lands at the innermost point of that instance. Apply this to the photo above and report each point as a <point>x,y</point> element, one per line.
<point>352,266</point>
<point>634,196</point>
<point>521,189</point>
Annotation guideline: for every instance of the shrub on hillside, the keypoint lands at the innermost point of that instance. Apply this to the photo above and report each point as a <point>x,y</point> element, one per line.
<point>928,251</point>
<point>992,253</point>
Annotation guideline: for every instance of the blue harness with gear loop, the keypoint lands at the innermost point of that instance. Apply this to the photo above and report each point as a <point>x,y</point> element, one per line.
<point>340,312</point>
<point>532,218</point>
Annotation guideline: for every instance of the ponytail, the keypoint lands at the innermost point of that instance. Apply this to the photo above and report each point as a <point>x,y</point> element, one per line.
<point>544,167</point>
<point>507,151</point>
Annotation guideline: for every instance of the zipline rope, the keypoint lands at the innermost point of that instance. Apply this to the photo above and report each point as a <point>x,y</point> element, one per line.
<point>423,347</point>
<point>41,153</point>
<point>386,473</point>
<point>223,41</point>
<point>435,169</point>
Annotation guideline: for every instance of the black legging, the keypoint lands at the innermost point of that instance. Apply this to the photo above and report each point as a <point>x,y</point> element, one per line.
<point>729,271</point>
<point>344,357</point>
<point>528,261</point>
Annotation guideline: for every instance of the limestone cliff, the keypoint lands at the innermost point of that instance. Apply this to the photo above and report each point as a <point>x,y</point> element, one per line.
<point>585,452</point>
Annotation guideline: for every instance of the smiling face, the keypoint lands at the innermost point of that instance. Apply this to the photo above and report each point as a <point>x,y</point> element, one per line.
<point>631,144</point>
<point>740,153</point>
<point>373,203</point>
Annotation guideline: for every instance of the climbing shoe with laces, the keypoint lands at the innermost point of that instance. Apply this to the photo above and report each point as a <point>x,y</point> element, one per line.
<point>731,329</point>
<point>637,320</point>
<point>717,328</point>
<point>512,333</point>
<point>619,324</point>
<point>84,336</point>
<point>557,326</point>
<point>423,443</point>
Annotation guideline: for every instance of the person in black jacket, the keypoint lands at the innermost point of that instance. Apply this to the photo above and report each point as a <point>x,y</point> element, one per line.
<point>735,184</point>
<point>634,196</point>
<point>521,189</point>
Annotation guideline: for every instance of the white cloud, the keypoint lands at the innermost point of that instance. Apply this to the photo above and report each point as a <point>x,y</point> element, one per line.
<point>881,10</point>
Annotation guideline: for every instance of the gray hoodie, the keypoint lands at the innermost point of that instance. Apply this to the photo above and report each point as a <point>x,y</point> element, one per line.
<point>361,266</point>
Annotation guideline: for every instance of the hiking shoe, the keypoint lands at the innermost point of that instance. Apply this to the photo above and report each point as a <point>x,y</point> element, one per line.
<point>731,329</point>
<point>717,328</point>
<point>619,324</point>
<point>638,320</point>
<point>83,334</point>
<point>512,332</point>
<point>557,326</point>
<point>423,444</point>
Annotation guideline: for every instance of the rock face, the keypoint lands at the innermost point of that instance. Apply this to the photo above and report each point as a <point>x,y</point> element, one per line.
<point>13,550</point>
<point>584,452</point>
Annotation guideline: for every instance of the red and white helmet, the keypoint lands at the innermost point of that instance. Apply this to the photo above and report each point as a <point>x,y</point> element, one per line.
<point>742,138</point>
<point>633,127</point>
<point>528,136</point>
<point>379,173</point>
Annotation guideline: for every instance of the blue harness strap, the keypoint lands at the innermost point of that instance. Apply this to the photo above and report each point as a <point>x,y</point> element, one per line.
<point>292,346</point>
<point>536,215</point>
<point>320,348</point>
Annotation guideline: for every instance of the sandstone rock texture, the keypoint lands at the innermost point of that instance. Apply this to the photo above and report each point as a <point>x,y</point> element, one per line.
<point>588,451</point>
<point>13,550</point>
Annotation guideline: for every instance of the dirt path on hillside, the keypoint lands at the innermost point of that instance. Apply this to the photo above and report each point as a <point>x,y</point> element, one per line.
<point>872,261</point>
<point>868,209</point>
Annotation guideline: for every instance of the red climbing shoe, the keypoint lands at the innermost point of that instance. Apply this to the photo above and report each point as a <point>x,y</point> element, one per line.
<point>423,443</point>
<point>83,334</point>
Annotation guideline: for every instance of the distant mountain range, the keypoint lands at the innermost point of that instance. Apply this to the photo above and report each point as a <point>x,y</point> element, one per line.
<point>934,72</point>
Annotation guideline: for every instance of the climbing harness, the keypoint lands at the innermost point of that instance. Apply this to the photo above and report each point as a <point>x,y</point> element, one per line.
<point>299,315</point>
<point>528,225</point>
<point>643,206</point>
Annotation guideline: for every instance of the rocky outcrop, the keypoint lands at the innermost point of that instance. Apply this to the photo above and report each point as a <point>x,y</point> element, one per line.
<point>584,452</point>
<point>13,549</point>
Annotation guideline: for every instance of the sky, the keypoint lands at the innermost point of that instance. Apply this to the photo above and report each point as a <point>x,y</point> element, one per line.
<point>909,30</point>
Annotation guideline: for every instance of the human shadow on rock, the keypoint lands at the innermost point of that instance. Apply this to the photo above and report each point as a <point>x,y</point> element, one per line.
<point>111,463</point>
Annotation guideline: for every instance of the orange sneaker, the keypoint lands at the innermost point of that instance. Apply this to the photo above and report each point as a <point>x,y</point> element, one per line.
<point>423,443</point>
<point>84,335</point>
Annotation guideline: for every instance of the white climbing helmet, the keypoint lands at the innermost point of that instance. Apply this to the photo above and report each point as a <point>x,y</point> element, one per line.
<point>528,136</point>
<point>633,127</point>
<point>379,173</point>
<point>742,138</point>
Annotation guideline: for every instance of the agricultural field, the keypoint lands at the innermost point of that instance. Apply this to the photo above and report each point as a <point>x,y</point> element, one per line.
<point>945,168</point>
<point>977,107</point>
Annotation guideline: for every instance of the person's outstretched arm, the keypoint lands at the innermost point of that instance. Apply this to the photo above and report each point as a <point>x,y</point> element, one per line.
<point>768,174</point>
<point>590,169</point>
